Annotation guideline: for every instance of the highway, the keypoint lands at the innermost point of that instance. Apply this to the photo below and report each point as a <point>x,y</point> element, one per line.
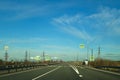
<point>60,72</point>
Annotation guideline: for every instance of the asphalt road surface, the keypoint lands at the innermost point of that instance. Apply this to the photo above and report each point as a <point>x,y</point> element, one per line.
<point>61,72</point>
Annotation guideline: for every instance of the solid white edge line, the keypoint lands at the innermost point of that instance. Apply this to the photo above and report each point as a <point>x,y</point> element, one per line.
<point>45,73</point>
<point>4,75</point>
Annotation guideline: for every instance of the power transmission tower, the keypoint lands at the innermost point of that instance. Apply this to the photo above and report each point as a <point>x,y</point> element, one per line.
<point>6,56</point>
<point>26,55</point>
<point>6,53</point>
<point>29,56</point>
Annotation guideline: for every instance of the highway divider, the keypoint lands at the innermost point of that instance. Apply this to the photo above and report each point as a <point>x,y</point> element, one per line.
<point>21,67</point>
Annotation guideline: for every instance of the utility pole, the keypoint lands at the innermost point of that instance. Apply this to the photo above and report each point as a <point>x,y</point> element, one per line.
<point>43,56</point>
<point>99,52</point>
<point>92,56</point>
<point>26,55</point>
<point>91,52</point>
<point>77,57</point>
<point>87,52</point>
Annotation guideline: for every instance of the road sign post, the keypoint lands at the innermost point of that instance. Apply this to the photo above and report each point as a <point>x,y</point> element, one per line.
<point>82,46</point>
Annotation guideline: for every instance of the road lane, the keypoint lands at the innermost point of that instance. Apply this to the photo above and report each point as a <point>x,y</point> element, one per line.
<point>90,74</point>
<point>64,73</point>
<point>27,75</point>
<point>45,73</point>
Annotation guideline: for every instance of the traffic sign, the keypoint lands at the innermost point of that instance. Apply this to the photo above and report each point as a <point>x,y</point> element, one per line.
<point>82,46</point>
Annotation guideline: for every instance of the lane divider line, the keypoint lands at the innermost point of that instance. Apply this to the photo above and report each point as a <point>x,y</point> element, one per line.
<point>76,70</point>
<point>80,75</point>
<point>45,73</point>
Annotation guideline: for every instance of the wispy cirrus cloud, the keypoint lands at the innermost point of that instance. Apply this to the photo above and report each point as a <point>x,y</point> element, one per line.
<point>107,19</point>
<point>70,24</point>
<point>90,27</point>
<point>23,41</point>
<point>22,11</point>
<point>57,47</point>
<point>30,9</point>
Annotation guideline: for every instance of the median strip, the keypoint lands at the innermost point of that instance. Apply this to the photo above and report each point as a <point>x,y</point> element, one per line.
<point>45,73</point>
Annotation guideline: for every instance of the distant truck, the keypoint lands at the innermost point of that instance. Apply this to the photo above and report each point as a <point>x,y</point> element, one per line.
<point>85,62</point>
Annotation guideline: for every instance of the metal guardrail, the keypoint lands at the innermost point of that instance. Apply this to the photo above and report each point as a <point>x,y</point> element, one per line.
<point>16,68</point>
<point>109,68</point>
<point>116,67</point>
<point>10,68</point>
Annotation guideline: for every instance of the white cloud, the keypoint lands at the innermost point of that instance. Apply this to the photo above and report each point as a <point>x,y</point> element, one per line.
<point>29,40</point>
<point>69,23</point>
<point>89,27</point>
<point>107,19</point>
<point>57,47</point>
<point>14,10</point>
<point>111,47</point>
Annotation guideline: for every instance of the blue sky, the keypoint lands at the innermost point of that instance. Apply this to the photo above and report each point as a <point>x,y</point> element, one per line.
<point>59,27</point>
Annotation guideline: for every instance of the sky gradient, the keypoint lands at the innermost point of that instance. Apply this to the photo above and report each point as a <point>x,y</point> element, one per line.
<point>59,27</point>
